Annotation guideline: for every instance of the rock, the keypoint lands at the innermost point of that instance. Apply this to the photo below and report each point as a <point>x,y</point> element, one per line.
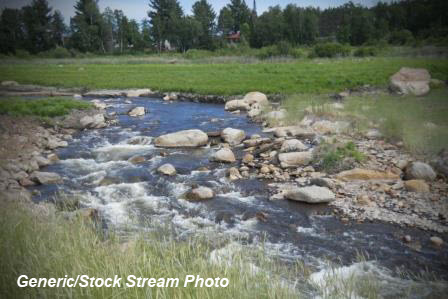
<point>374,134</point>
<point>172,96</point>
<point>256,97</point>
<point>25,182</point>
<point>99,105</point>
<point>105,93</point>
<point>440,163</point>
<point>322,182</point>
<point>254,111</point>
<point>77,96</point>
<point>295,131</point>
<point>420,171</point>
<point>88,214</point>
<point>54,143</point>
<point>17,195</point>
<point>224,155</point>
<point>265,169</point>
<point>411,81</point>
<point>234,105</point>
<point>41,161</point>
<point>436,241</point>
<point>45,178</point>
<point>93,122</point>
<point>53,158</point>
<point>276,116</point>
<point>311,194</point>
<point>187,138</point>
<point>366,174</point>
<point>407,238</point>
<point>295,159</point>
<point>9,83</point>
<point>167,169</point>
<point>135,93</point>
<point>328,127</point>
<point>137,159</point>
<point>364,200</point>
<point>234,174</point>
<point>137,111</point>
<point>416,186</point>
<point>248,158</point>
<point>139,140</point>
<point>200,193</point>
<point>233,136</point>
<point>292,145</point>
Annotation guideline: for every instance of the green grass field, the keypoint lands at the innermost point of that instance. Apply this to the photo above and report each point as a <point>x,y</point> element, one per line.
<point>47,107</point>
<point>300,76</point>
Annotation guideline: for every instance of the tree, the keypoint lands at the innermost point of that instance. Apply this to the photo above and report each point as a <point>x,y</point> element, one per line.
<point>205,15</point>
<point>240,13</point>
<point>271,26</point>
<point>87,27</point>
<point>11,31</point>
<point>190,30</point>
<point>165,18</point>
<point>58,28</point>
<point>225,21</point>
<point>147,41</point>
<point>37,25</point>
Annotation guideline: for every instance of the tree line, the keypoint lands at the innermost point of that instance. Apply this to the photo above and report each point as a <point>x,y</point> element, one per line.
<point>37,28</point>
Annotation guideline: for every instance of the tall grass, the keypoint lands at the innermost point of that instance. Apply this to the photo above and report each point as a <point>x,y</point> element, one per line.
<point>47,107</point>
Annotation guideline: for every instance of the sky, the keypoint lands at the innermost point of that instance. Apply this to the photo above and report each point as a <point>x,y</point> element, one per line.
<point>137,9</point>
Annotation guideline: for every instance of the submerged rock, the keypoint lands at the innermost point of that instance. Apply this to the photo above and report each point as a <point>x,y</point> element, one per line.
<point>167,169</point>
<point>420,171</point>
<point>310,194</point>
<point>200,193</point>
<point>46,178</point>
<point>137,159</point>
<point>187,138</point>
<point>224,155</point>
<point>233,136</point>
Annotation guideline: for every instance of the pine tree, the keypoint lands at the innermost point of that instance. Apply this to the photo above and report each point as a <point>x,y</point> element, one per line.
<point>87,27</point>
<point>205,15</point>
<point>58,28</point>
<point>11,33</point>
<point>37,25</point>
<point>165,18</point>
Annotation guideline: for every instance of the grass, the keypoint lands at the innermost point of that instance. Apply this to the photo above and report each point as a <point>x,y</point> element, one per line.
<point>47,107</point>
<point>299,76</point>
<point>53,247</point>
<point>421,123</point>
<point>336,157</point>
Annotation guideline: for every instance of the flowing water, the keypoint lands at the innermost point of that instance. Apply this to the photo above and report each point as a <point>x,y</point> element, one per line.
<point>135,197</point>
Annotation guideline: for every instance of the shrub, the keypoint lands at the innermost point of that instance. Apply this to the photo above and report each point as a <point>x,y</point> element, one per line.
<point>197,54</point>
<point>401,37</point>
<point>23,54</point>
<point>267,52</point>
<point>330,50</point>
<point>58,52</point>
<point>366,51</point>
<point>337,157</point>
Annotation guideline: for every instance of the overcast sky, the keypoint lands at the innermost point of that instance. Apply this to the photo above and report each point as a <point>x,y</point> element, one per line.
<point>136,9</point>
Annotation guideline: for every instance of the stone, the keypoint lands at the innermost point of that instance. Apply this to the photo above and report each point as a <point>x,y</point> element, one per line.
<point>256,97</point>
<point>295,131</point>
<point>248,158</point>
<point>292,145</point>
<point>105,93</point>
<point>234,105</point>
<point>77,96</point>
<point>254,111</point>
<point>53,158</point>
<point>186,138</point>
<point>265,169</point>
<point>233,136</point>
<point>41,161</point>
<point>322,182</point>
<point>364,200</point>
<point>416,186</point>
<point>137,159</point>
<point>295,159</point>
<point>167,169</point>
<point>365,175</point>
<point>411,81</point>
<point>137,111</point>
<point>139,140</point>
<point>310,194</point>
<point>135,93</point>
<point>9,83</point>
<point>200,193</point>
<point>46,178</point>
<point>420,171</point>
<point>99,105</point>
<point>436,241</point>
<point>93,122</point>
<point>407,238</point>
<point>224,155</point>
<point>234,174</point>
<point>25,182</point>
<point>328,127</point>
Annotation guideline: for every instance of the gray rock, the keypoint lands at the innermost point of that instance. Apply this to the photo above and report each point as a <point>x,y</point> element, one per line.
<point>420,171</point>
<point>96,121</point>
<point>135,93</point>
<point>292,145</point>
<point>137,111</point>
<point>187,138</point>
<point>233,136</point>
<point>295,159</point>
<point>200,193</point>
<point>311,194</point>
<point>234,105</point>
<point>411,81</point>
<point>167,169</point>
<point>46,178</point>
<point>224,155</point>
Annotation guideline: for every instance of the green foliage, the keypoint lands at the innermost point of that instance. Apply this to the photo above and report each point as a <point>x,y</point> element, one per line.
<point>330,50</point>
<point>333,157</point>
<point>57,52</point>
<point>49,107</point>
<point>401,37</point>
<point>23,54</point>
<point>365,51</point>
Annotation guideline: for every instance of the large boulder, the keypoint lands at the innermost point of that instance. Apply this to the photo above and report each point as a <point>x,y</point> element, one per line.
<point>420,171</point>
<point>292,145</point>
<point>167,169</point>
<point>46,178</point>
<point>366,175</point>
<point>234,105</point>
<point>310,194</point>
<point>233,136</point>
<point>295,159</point>
<point>224,155</point>
<point>200,193</point>
<point>411,81</point>
<point>186,138</point>
<point>256,97</point>
<point>93,122</point>
<point>135,93</point>
<point>137,111</point>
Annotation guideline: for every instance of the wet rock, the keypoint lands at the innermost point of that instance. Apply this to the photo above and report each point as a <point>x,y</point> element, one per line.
<point>167,169</point>
<point>45,178</point>
<point>248,158</point>
<point>407,239</point>
<point>366,174</point>
<point>311,194</point>
<point>420,171</point>
<point>54,143</point>
<point>139,140</point>
<point>53,158</point>
<point>224,155</point>
<point>93,122</point>
<point>295,159</point>
<point>234,174</point>
<point>233,136</point>
<point>137,111</point>
<point>25,182</point>
<point>292,145</point>
<point>137,159</point>
<point>200,193</point>
<point>99,104</point>
<point>416,186</point>
<point>135,93</point>
<point>436,241</point>
<point>187,138</point>
<point>41,161</point>
<point>411,81</point>
<point>234,105</point>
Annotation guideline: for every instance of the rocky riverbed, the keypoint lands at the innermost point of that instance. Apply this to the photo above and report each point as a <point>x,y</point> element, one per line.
<point>210,170</point>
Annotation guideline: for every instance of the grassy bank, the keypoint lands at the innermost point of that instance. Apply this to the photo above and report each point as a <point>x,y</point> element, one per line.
<point>421,123</point>
<point>46,107</point>
<point>302,76</point>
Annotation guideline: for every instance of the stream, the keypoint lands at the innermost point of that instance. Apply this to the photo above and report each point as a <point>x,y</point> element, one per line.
<point>134,197</point>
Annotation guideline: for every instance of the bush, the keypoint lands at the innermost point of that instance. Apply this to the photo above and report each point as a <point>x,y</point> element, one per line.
<point>197,54</point>
<point>330,50</point>
<point>366,51</point>
<point>282,48</point>
<point>401,37</point>
<point>22,54</point>
<point>58,52</point>
<point>337,157</point>
<point>267,52</point>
